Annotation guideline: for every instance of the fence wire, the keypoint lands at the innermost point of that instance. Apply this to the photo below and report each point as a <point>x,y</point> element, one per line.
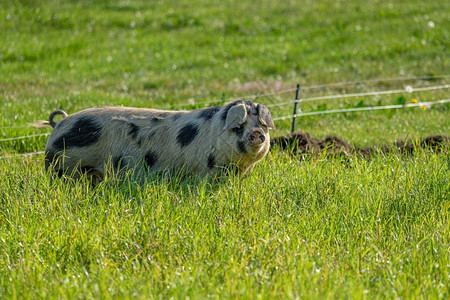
<point>286,91</point>
<point>318,86</point>
<point>424,77</point>
<point>24,137</point>
<point>369,108</point>
<point>16,126</point>
<point>30,154</point>
<point>408,89</point>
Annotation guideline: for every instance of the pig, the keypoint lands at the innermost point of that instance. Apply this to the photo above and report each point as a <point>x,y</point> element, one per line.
<point>204,141</point>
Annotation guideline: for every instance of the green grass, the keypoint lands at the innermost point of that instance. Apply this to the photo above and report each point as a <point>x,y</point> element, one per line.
<point>320,227</point>
<point>305,227</point>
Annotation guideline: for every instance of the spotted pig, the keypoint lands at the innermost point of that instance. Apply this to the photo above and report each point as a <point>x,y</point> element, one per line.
<point>203,141</point>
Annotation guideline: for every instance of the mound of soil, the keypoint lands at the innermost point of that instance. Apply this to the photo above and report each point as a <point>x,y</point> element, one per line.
<point>301,143</point>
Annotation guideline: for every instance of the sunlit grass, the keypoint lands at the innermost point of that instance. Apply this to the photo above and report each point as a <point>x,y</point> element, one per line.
<point>317,227</point>
<point>298,227</point>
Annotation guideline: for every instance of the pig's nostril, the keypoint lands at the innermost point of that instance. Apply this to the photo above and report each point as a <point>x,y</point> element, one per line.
<point>257,138</point>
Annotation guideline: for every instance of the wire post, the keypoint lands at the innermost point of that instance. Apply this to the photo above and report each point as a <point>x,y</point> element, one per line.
<point>294,116</point>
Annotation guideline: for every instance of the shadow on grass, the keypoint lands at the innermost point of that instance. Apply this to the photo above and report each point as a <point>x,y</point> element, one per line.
<point>133,185</point>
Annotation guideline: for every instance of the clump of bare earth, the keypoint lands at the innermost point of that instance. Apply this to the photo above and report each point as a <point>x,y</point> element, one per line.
<point>301,143</point>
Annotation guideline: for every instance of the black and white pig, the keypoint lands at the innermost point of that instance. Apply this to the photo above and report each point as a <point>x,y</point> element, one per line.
<point>200,141</point>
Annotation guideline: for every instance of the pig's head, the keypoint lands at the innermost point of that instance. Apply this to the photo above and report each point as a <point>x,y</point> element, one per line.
<point>251,123</point>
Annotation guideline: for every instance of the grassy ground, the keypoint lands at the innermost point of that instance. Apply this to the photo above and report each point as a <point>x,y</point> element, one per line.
<point>320,227</point>
<point>311,227</point>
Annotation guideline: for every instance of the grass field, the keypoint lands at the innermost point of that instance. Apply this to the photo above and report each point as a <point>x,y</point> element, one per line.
<point>298,227</point>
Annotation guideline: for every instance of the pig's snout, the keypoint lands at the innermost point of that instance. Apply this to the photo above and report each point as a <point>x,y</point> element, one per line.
<point>257,137</point>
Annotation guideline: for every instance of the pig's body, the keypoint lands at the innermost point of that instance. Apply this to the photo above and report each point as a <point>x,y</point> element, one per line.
<point>200,141</point>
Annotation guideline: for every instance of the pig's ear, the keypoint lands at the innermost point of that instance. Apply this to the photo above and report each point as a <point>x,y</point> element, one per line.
<point>265,117</point>
<point>236,116</point>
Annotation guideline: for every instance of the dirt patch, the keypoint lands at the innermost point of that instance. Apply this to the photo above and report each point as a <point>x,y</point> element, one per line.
<point>302,143</point>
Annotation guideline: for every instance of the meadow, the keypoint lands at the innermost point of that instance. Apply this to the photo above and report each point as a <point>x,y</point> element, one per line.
<point>310,226</point>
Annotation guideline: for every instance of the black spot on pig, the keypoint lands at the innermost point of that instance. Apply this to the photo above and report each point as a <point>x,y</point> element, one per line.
<point>239,130</point>
<point>187,134</point>
<point>134,130</point>
<point>150,158</point>
<point>241,147</point>
<point>208,113</point>
<point>211,161</point>
<point>84,132</point>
